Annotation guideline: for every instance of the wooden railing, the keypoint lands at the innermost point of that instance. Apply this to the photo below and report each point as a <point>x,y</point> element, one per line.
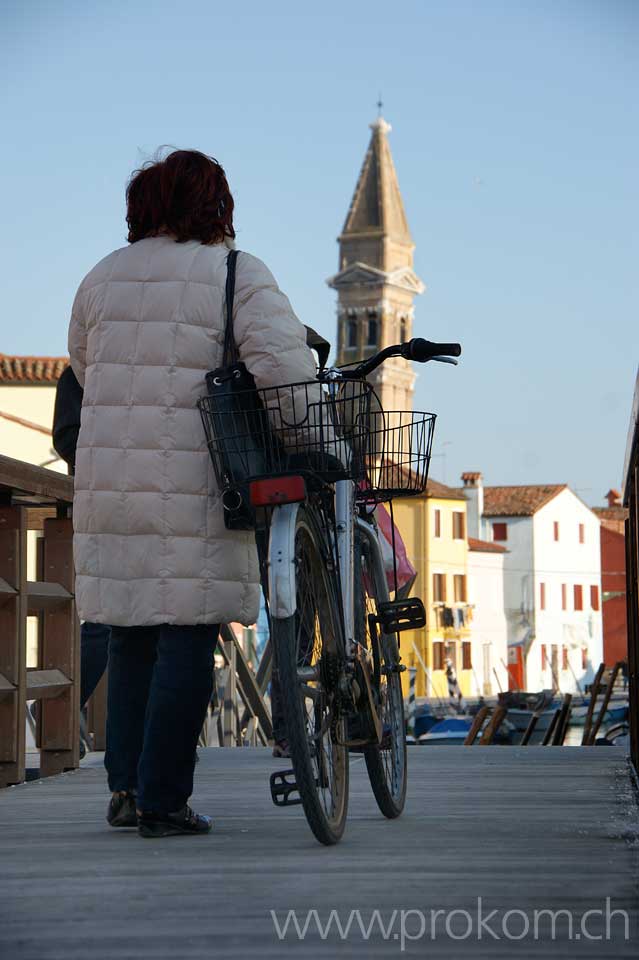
<point>32,498</point>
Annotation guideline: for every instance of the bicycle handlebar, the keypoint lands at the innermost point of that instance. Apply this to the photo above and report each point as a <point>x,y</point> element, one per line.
<point>418,349</point>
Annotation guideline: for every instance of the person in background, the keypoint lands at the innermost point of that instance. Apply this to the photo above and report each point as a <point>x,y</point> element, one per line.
<point>153,557</point>
<point>94,637</point>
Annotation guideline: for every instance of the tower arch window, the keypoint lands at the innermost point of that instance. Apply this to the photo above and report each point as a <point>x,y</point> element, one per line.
<point>373,329</point>
<point>403,329</point>
<point>351,332</point>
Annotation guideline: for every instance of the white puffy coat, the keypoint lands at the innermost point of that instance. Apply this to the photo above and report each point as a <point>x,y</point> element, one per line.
<point>147,324</point>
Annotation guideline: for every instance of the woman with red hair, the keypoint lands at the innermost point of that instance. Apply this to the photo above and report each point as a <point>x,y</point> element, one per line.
<point>153,557</point>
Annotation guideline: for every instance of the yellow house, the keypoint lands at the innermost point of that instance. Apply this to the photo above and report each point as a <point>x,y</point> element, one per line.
<point>433,527</point>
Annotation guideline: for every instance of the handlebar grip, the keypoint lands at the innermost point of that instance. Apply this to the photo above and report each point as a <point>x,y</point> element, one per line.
<point>422,350</point>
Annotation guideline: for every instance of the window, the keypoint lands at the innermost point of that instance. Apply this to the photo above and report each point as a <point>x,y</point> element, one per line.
<point>459,583</point>
<point>438,655</point>
<point>594,597</point>
<point>403,329</point>
<point>373,328</point>
<point>555,530</point>
<point>458,525</point>
<point>579,597</point>
<point>564,597</point>
<point>439,587</point>
<point>544,657</point>
<point>584,658</point>
<point>542,596</point>
<point>564,658</point>
<point>351,334</point>
<point>500,531</point>
<point>467,658</point>
<point>582,533</point>
<point>437,522</point>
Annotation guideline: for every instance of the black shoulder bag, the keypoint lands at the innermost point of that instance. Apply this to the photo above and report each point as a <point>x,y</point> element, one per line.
<point>237,427</point>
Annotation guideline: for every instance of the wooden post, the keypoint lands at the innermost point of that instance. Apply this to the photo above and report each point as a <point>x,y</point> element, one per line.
<point>60,731</point>
<point>551,729</point>
<point>530,729</point>
<point>594,693</point>
<point>604,706</point>
<point>478,719</point>
<point>493,725</point>
<point>562,722</point>
<point>13,643</point>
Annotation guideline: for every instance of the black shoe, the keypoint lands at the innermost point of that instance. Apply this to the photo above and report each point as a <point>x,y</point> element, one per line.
<point>185,821</point>
<point>121,811</point>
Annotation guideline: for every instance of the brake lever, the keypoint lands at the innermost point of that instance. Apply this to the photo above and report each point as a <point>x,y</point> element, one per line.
<point>446,360</point>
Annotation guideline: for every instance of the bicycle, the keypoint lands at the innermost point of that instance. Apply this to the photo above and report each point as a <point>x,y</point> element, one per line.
<point>332,456</point>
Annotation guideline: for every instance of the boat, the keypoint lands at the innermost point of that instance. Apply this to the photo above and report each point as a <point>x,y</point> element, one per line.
<point>450,730</point>
<point>616,713</point>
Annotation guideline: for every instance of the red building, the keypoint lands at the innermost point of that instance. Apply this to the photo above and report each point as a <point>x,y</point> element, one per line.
<point>613,578</point>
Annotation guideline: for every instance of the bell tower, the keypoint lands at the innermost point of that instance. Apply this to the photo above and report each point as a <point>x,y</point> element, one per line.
<point>376,283</point>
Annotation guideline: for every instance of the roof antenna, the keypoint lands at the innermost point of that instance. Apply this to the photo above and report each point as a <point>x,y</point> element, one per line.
<point>380,104</point>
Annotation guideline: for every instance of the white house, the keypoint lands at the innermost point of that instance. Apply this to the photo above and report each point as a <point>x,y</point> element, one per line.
<point>552,579</point>
<point>489,636</point>
<point>27,397</point>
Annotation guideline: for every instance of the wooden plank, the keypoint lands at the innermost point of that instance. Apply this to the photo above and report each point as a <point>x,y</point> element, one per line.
<point>7,689</point>
<point>13,645</point>
<point>46,684</point>
<point>45,596</point>
<point>16,476</point>
<point>7,592</point>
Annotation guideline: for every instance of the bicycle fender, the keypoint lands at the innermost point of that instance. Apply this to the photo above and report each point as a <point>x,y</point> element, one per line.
<point>281,561</point>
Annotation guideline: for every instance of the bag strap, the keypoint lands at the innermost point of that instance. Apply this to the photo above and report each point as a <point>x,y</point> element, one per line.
<point>230,355</point>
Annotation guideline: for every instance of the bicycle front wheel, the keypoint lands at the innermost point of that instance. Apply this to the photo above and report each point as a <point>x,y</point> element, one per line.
<point>310,656</point>
<point>386,762</point>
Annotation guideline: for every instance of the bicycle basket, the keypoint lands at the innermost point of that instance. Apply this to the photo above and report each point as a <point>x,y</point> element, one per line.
<point>402,441</point>
<point>296,428</point>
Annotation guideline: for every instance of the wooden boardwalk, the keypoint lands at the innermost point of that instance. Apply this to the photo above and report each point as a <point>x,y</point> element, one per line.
<point>523,829</point>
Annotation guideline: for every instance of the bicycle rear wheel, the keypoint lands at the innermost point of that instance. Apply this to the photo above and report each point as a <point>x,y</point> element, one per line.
<point>310,656</point>
<point>386,762</point>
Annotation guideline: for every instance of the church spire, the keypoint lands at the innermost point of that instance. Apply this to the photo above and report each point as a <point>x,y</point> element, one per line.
<point>377,208</point>
<point>376,282</point>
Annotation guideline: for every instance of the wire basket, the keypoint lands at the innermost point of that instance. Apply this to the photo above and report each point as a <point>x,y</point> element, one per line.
<point>297,428</point>
<point>399,444</point>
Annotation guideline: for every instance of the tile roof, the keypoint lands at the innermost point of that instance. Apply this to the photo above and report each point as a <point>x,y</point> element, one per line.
<point>485,546</point>
<point>611,513</point>
<point>31,369</point>
<point>521,501</point>
<point>441,492</point>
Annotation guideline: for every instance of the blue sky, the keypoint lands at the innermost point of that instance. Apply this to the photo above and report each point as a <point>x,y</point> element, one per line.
<point>515,137</point>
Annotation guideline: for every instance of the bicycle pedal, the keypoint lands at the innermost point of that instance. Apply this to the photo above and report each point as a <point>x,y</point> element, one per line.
<point>282,788</point>
<point>396,615</point>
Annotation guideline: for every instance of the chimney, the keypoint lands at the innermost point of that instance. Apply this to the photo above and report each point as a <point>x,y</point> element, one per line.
<point>474,490</point>
<point>614,498</point>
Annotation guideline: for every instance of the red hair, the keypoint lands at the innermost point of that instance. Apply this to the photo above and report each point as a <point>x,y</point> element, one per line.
<point>185,195</point>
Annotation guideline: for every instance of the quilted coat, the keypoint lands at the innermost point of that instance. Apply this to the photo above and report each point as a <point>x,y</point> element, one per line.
<point>147,324</point>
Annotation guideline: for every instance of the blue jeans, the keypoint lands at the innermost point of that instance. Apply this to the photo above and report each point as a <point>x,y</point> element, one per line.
<point>94,652</point>
<point>160,684</point>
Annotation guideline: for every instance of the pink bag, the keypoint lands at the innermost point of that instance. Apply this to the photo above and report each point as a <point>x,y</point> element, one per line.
<point>405,569</point>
